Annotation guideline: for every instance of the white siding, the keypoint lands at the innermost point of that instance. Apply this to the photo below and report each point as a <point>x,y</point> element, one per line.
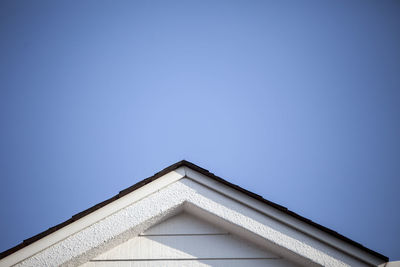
<point>183,224</point>
<point>185,240</point>
<point>193,263</point>
<point>188,247</point>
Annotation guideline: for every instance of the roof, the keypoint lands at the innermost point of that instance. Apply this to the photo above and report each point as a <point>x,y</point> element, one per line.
<point>205,172</point>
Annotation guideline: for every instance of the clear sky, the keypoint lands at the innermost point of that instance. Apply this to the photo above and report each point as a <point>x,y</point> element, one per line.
<point>298,101</point>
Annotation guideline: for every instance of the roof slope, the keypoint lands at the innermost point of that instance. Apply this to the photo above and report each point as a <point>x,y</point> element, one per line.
<point>205,172</point>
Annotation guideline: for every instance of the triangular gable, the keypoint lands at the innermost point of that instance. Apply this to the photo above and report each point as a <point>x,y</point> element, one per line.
<point>187,240</point>
<point>187,187</point>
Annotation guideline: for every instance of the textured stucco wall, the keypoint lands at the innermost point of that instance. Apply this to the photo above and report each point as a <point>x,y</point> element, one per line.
<point>135,218</point>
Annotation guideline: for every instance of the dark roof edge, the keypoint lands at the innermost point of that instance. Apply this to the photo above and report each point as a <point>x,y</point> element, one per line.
<point>181,163</point>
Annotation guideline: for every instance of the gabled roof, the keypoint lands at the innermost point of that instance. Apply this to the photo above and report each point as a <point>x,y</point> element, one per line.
<point>205,172</point>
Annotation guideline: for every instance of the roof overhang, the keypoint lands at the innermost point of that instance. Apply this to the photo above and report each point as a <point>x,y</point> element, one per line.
<point>185,186</point>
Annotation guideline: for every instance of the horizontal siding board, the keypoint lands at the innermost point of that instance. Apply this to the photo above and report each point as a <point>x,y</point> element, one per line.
<point>196,246</point>
<point>183,224</point>
<point>185,240</point>
<point>196,263</point>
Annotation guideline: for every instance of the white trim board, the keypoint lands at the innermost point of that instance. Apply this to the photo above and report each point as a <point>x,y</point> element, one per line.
<point>185,188</point>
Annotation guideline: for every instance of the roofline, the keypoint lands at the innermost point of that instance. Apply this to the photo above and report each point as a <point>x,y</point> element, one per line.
<point>205,172</point>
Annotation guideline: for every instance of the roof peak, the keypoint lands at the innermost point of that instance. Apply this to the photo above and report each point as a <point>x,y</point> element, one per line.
<point>203,171</point>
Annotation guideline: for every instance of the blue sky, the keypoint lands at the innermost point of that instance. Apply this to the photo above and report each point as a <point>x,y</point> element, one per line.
<point>297,101</point>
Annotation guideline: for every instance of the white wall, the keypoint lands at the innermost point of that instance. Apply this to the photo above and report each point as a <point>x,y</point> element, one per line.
<point>185,240</point>
<point>124,219</point>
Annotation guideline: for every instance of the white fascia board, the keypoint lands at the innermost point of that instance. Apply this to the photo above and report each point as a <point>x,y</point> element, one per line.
<point>219,200</point>
<point>139,216</point>
<point>93,217</point>
<point>283,217</point>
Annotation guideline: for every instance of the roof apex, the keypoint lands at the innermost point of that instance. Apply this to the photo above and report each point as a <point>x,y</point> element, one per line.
<point>185,163</point>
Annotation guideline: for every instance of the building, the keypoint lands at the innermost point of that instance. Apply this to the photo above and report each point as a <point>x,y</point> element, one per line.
<point>187,216</point>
